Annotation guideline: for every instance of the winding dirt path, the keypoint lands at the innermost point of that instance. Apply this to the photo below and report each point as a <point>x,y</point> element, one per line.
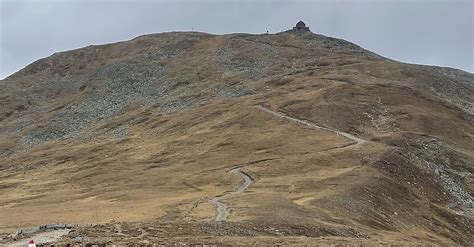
<point>282,115</point>
<point>224,209</point>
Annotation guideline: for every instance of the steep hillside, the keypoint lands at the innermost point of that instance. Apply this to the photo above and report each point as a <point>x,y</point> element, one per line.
<point>189,137</point>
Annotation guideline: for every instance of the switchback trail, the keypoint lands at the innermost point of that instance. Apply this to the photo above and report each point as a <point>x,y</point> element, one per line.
<point>282,115</point>
<point>222,208</point>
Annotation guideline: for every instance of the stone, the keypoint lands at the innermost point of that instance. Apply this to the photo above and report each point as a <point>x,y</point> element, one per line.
<point>300,26</point>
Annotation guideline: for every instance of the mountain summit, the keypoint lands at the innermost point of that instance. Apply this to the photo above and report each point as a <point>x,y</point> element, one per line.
<point>188,137</point>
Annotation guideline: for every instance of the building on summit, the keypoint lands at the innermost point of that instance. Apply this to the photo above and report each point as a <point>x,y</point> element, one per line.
<point>300,26</point>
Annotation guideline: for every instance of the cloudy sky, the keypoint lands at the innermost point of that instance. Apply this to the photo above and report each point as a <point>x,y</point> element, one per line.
<point>438,32</point>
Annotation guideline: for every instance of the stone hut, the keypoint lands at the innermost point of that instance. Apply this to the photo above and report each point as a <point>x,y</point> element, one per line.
<point>300,26</point>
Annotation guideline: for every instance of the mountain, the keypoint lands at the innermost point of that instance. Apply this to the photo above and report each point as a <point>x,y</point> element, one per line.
<point>188,137</point>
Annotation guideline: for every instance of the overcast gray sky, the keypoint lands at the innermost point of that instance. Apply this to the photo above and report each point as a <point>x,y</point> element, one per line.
<point>438,32</point>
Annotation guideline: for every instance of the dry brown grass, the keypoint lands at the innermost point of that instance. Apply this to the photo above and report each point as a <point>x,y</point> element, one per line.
<point>171,164</point>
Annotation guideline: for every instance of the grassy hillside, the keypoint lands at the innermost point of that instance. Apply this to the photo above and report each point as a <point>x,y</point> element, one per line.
<point>142,134</point>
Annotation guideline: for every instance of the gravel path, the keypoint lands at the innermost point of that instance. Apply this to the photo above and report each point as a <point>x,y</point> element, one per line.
<point>282,115</point>
<point>222,208</point>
